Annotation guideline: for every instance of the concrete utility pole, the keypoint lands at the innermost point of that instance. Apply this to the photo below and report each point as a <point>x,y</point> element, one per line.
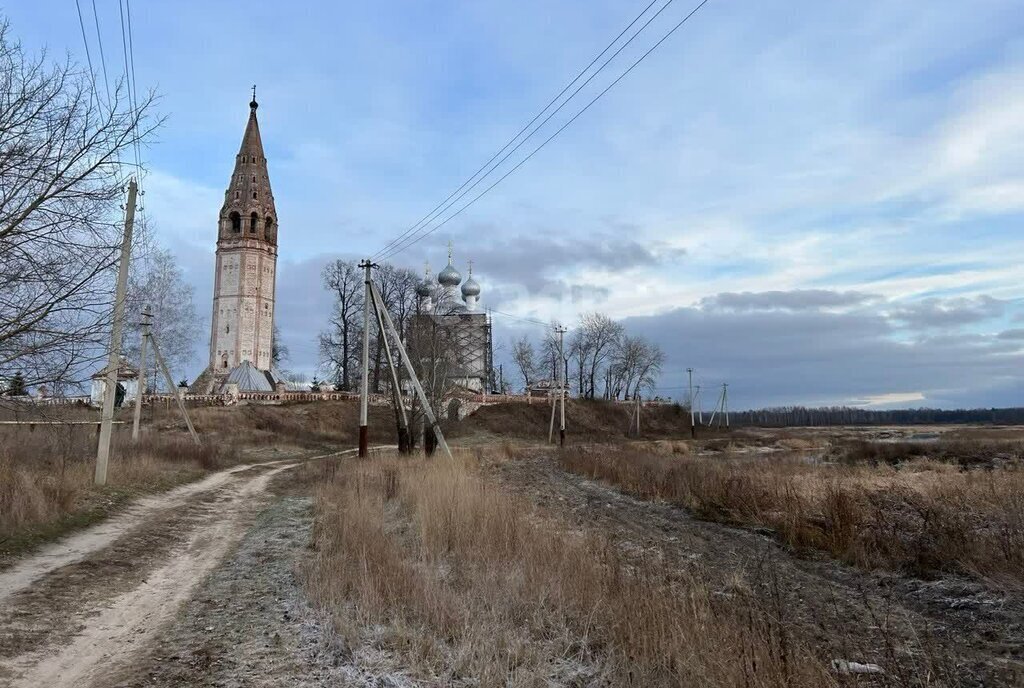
<point>561,382</point>
<point>364,384</point>
<point>725,403</point>
<point>693,428</point>
<point>114,353</point>
<point>137,415</point>
<point>700,411</point>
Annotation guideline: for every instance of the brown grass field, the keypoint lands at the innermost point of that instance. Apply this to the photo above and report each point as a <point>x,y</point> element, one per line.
<point>426,560</point>
<point>922,514</point>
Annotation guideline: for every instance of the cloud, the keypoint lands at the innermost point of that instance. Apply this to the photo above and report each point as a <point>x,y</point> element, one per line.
<point>936,312</point>
<point>795,300</point>
<point>539,261</point>
<point>821,356</point>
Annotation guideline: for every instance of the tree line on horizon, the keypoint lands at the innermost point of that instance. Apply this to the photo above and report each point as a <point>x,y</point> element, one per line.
<point>802,416</point>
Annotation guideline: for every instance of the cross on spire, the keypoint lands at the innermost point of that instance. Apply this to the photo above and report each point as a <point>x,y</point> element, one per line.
<point>451,244</point>
<point>253,104</point>
<point>470,267</point>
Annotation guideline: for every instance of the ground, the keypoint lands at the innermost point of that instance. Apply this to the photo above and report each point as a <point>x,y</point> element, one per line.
<point>201,586</point>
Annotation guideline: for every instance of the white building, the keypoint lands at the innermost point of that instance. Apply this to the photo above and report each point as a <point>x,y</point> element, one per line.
<point>242,324</point>
<point>127,379</point>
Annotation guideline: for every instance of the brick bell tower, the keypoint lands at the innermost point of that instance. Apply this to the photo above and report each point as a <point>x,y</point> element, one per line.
<point>243,291</point>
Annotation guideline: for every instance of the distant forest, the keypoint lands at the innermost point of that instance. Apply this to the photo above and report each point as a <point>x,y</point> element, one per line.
<point>787,416</point>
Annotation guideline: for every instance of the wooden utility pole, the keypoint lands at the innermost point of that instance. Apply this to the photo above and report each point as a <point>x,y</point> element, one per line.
<point>364,383</point>
<point>137,415</point>
<point>114,353</point>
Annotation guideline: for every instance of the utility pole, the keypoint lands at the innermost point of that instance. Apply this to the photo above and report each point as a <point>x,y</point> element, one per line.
<point>364,383</point>
<point>725,403</point>
<point>693,428</point>
<point>137,416</point>
<point>700,411</point>
<point>403,428</point>
<point>378,303</point>
<point>501,378</point>
<point>114,353</point>
<point>561,382</point>
<point>173,390</point>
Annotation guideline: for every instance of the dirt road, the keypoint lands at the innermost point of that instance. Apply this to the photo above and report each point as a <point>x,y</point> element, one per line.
<point>88,610</point>
<point>950,631</point>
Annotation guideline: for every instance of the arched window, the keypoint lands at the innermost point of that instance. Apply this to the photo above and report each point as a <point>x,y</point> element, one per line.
<point>254,195</point>
<point>269,223</point>
<point>254,177</point>
<point>236,222</point>
<point>253,222</point>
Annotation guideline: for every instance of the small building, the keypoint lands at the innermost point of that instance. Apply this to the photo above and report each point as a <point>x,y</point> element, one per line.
<point>127,380</point>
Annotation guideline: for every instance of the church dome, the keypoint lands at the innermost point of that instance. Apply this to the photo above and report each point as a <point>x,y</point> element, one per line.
<point>471,287</point>
<point>423,289</point>
<point>449,277</point>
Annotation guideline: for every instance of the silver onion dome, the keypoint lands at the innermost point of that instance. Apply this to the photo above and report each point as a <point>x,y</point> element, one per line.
<point>423,289</point>
<point>470,287</point>
<point>449,277</point>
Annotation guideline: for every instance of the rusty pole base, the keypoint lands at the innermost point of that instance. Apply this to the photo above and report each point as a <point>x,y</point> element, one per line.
<point>364,440</point>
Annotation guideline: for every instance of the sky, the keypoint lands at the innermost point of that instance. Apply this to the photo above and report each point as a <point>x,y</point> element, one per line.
<point>816,202</point>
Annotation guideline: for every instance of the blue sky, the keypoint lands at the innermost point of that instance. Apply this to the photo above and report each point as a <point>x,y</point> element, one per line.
<point>817,202</point>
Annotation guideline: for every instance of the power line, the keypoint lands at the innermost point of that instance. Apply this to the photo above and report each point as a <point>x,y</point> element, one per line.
<point>442,205</point>
<point>103,60</point>
<point>521,318</point>
<point>129,75</point>
<point>409,242</point>
<point>88,56</point>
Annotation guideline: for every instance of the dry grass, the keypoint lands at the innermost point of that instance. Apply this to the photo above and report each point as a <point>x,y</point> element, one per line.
<point>428,567</point>
<point>921,517</point>
<point>592,420</point>
<point>46,476</point>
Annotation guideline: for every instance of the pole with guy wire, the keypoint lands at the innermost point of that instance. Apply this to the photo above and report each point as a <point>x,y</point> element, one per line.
<point>364,382</point>
<point>114,352</point>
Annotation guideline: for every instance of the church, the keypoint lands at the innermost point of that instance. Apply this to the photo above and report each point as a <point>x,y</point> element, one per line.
<point>242,322</point>
<point>242,330</point>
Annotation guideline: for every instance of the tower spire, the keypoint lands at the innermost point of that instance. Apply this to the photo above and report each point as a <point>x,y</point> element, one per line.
<point>252,103</point>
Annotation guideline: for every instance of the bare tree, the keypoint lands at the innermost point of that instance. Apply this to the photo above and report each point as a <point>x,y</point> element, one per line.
<point>634,366</point>
<point>157,282</point>
<point>60,187</point>
<point>339,348</point>
<point>433,348</point>
<point>595,339</point>
<point>525,359</point>
<point>648,369</point>
<point>397,288</point>
<point>279,352</point>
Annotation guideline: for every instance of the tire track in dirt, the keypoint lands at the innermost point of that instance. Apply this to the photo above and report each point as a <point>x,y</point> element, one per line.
<point>88,627</point>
